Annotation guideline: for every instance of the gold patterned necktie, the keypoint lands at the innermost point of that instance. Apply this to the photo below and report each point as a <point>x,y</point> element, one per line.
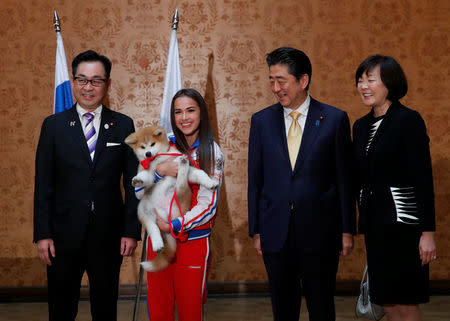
<point>294,137</point>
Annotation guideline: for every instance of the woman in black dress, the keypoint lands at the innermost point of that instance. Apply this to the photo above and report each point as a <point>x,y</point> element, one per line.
<point>395,190</point>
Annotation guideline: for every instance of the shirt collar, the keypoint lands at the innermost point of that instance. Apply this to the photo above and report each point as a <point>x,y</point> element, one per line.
<point>81,111</point>
<point>196,143</point>
<point>302,109</point>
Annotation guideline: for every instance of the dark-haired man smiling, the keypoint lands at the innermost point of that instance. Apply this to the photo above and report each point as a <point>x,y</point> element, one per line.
<point>300,203</point>
<point>81,222</point>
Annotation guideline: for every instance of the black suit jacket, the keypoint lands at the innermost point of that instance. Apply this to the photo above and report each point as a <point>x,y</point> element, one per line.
<point>318,189</point>
<point>395,182</point>
<point>67,182</point>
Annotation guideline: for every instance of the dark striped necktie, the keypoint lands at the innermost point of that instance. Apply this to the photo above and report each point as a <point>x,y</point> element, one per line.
<point>89,130</point>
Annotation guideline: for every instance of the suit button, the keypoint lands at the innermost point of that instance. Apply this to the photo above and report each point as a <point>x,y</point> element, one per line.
<point>91,179</point>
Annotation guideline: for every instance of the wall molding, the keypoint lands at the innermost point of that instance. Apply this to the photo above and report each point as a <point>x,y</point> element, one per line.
<point>215,289</point>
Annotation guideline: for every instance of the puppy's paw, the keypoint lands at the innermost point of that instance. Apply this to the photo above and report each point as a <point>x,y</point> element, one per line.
<point>157,245</point>
<point>137,182</point>
<point>147,265</point>
<point>183,168</point>
<point>213,184</point>
<point>184,160</point>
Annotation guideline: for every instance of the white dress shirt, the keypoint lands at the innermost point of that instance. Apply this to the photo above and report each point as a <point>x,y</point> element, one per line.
<point>302,109</point>
<point>97,118</point>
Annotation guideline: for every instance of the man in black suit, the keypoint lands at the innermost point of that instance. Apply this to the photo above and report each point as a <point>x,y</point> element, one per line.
<point>81,222</point>
<point>301,207</point>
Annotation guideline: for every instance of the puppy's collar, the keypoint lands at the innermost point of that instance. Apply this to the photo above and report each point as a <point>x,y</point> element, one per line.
<point>146,163</point>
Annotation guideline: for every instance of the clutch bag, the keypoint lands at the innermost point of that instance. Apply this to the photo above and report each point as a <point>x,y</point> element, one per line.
<point>364,308</point>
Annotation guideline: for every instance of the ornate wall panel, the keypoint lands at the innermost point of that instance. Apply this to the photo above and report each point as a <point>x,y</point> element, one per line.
<point>222,48</point>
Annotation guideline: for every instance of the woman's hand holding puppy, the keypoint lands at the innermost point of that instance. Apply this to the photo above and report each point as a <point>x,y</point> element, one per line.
<point>163,225</point>
<point>168,168</point>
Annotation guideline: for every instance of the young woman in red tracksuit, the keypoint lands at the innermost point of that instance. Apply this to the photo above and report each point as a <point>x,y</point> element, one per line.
<point>184,281</point>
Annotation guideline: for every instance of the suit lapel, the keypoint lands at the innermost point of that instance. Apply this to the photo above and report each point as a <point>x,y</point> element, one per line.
<point>105,128</point>
<point>281,133</point>
<point>312,127</point>
<point>76,131</point>
<point>363,137</point>
<point>382,128</point>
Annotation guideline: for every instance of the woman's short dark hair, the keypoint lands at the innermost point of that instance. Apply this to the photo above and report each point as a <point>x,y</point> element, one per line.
<point>297,61</point>
<point>206,140</point>
<point>91,56</point>
<point>391,74</point>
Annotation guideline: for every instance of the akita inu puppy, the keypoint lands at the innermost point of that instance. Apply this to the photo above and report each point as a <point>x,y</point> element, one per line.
<point>146,143</point>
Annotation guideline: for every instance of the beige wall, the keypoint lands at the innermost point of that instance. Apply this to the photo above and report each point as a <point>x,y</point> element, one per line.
<point>232,37</point>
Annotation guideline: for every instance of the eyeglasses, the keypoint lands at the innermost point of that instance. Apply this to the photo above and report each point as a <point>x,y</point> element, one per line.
<point>97,82</point>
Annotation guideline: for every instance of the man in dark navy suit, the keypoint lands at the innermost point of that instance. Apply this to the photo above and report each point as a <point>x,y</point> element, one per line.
<point>300,202</point>
<point>81,222</point>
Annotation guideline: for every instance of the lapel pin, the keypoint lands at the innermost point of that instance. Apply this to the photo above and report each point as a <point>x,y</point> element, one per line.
<point>106,126</point>
<point>72,123</point>
<point>319,120</point>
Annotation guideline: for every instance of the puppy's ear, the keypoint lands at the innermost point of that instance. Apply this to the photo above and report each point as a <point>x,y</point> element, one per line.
<point>158,133</point>
<point>131,140</point>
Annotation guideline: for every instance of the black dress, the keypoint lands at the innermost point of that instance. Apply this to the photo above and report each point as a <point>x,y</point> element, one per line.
<point>395,198</point>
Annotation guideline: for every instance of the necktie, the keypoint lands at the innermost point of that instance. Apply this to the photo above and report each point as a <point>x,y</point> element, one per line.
<point>89,131</point>
<point>294,138</point>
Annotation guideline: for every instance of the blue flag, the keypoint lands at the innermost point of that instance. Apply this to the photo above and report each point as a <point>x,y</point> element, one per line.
<point>63,94</point>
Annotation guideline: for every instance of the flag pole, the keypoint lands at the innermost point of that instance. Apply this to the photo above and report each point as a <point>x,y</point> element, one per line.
<point>141,274</point>
<point>175,20</point>
<point>56,22</point>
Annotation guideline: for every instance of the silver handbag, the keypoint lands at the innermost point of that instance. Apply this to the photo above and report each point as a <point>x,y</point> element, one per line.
<point>364,308</point>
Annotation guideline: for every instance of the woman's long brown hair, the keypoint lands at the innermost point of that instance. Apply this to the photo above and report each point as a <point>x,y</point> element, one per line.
<point>206,140</point>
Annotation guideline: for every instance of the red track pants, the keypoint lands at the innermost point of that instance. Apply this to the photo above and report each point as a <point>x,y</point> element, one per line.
<point>183,281</point>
